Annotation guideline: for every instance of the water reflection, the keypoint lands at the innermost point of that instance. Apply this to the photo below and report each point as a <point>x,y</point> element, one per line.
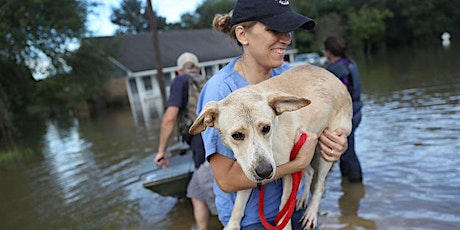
<point>65,155</point>
<point>87,173</point>
<point>349,204</point>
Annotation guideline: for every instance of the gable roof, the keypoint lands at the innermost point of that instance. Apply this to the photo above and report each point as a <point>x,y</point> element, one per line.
<point>136,53</point>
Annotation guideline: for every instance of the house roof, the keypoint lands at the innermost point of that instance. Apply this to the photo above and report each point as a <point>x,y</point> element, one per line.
<point>136,53</point>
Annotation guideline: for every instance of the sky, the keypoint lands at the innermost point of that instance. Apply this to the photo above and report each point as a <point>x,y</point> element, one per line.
<point>99,22</point>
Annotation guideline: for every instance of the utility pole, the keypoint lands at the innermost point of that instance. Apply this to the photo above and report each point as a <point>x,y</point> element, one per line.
<point>156,50</point>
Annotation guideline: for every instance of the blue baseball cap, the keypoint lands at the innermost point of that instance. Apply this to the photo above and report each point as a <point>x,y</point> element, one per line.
<point>276,14</point>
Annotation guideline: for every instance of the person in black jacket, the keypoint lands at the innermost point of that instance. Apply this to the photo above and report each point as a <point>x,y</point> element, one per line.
<point>347,71</point>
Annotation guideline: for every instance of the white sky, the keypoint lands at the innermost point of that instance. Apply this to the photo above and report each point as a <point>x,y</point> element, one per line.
<point>99,21</point>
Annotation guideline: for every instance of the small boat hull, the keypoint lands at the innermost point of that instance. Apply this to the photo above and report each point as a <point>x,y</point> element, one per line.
<point>173,180</point>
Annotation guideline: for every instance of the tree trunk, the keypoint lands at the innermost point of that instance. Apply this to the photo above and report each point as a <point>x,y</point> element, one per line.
<point>156,48</point>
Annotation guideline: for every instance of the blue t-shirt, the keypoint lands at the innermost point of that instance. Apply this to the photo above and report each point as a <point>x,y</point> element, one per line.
<point>218,87</point>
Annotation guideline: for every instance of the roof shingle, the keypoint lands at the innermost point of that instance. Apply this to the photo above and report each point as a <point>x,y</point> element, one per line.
<point>136,51</point>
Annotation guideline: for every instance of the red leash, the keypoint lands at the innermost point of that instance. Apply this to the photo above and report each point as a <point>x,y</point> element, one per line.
<point>288,208</point>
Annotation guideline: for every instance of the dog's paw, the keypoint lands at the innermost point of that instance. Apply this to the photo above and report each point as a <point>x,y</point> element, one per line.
<point>302,201</point>
<point>232,227</point>
<point>310,219</point>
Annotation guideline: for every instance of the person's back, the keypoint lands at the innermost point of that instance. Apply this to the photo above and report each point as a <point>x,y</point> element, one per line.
<point>195,83</point>
<point>181,109</point>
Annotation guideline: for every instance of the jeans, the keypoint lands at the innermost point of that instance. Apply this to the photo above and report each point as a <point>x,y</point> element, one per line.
<point>349,162</point>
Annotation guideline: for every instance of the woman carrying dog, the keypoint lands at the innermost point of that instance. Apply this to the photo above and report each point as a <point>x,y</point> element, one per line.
<point>262,28</point>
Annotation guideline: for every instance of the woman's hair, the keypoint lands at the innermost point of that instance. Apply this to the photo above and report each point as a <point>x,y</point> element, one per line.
<point>221,22</point>
<point>336,45</point>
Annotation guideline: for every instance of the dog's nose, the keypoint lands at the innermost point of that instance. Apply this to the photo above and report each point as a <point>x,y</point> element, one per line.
<point>264,171</point>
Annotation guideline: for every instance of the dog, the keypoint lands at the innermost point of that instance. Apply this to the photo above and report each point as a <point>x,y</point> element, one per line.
<point>259,124</point>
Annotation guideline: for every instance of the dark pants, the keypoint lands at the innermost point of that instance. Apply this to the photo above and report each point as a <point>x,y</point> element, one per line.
<point>295,220</point>
<point>349,162</point>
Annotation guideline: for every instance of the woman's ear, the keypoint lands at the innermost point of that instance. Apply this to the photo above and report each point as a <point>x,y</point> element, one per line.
<point>240,33</point>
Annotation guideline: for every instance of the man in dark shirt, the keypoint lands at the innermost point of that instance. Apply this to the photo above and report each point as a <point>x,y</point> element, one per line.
<point>199,189</point>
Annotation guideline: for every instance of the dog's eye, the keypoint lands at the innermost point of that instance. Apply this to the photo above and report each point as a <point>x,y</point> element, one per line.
<point>238,136</point>
<point>265,129</point>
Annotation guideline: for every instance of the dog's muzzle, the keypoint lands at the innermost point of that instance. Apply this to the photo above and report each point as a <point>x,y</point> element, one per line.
<point>264,171</point>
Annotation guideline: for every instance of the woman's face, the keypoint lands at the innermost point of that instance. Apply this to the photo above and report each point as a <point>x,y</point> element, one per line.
<point>267,47</point>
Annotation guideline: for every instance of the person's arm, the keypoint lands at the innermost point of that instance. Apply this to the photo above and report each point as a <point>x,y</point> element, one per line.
<point>333,144</point>
<point>230,177</point>
<point>167,127</point>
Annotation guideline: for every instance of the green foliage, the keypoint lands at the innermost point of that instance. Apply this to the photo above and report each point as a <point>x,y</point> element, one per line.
<point>90,68</point>
<point>205,12</point>
<point>7,157</point>
<point>330,24</point>
<point>38,38</point>
<point>367,25</point>
<point>132,18</point>
<point>35,30</point>
<point>420,21</point>
<point>375,24</point>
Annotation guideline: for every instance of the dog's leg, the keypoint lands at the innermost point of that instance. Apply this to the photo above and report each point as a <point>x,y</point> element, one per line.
<point>287,188</point>
<point>241,199</point>
<point>303,199</point>
<point>321,168</point>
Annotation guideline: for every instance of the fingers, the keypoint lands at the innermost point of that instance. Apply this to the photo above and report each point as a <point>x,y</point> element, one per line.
<point>162,160</point>
<point>328,153</point>
<point>312,138</point>
<point>333,144</point>
<point>307,150</point>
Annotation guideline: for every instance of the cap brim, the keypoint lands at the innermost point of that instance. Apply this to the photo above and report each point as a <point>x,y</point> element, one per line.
<point>288,22</point>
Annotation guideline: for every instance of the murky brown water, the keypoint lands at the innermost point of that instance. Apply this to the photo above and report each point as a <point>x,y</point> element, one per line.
<point>87,173</point>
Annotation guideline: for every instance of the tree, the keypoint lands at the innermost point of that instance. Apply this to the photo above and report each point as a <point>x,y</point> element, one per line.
<point>132,18</point>
<point>205,12</point>
<point>35,39</point>
<point>157,51</point>
<point>42,38</point>
<point>368,26</point>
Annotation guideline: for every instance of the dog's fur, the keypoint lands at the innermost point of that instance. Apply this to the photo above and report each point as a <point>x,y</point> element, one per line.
<point>259,124</point>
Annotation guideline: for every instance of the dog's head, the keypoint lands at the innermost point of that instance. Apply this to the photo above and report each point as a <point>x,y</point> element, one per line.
<point>246,120</point>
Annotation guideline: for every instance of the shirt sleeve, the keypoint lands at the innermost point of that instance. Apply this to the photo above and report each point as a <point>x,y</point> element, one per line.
<point>214,91</point>
<point>178,92</point>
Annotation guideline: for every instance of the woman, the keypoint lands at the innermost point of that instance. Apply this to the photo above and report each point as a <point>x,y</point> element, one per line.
<point>262,28</point>
<point>347,71</point>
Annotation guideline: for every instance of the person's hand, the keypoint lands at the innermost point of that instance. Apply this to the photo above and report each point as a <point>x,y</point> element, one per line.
<point>161,159</point>
<point>307,150</point>
<point>333,144</point>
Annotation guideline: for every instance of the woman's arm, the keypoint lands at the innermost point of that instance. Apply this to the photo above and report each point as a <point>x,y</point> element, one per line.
<point>230,177</point>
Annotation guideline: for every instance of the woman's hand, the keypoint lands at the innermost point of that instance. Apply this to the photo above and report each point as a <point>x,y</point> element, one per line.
<point>333,144</point>
<point>306,152</point>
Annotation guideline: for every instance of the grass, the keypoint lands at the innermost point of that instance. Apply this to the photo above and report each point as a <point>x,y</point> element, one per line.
<point>9,156</point>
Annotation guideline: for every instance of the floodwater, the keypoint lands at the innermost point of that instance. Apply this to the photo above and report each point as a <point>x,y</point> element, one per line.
<point>86,174</point>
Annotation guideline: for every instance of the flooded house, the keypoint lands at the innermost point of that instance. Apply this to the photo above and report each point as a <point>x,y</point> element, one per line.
<point>136,64</point>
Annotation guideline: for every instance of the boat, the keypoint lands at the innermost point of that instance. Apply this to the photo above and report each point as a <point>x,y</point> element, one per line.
<point>173,180</point>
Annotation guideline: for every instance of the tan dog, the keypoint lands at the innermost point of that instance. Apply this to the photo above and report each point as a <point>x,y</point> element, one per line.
<point>259,124</point>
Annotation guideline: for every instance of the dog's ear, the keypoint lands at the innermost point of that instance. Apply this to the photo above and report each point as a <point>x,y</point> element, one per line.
<point>206,118</point>
<point>281,103</point>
